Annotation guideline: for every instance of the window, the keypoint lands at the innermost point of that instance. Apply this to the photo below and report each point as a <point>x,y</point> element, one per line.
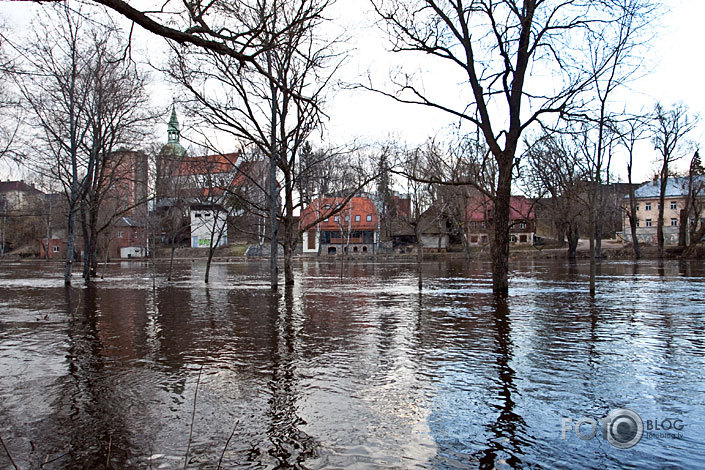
<point>347,218</point>
<point>197,215</point>
<point>637,207</point>
<point>207,214</point>
<point>674,205</point>
<point>357,218</point>
<point>327,206</point>
<point>522,225</point>
<point>336,218</point>
<point>648,222</point>
<point>120,234</point>
<point>369,218</point>
<point>55,249</point>
<point>484,224</point>
<point>647,206</point>
<point>513,239</point>
<point>523,239</point>
<point>637,223</point>
<point>674,222</point>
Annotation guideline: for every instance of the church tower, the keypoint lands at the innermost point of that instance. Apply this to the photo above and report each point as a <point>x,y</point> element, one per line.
<point>169,159</point>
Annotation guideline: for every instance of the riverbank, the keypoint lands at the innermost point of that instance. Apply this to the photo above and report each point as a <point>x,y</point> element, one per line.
<point>611,250</point>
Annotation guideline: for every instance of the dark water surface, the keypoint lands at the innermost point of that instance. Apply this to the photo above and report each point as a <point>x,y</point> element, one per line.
<point>360,372</point>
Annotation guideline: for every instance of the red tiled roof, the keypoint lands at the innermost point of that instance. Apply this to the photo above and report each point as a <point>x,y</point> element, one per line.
<point>208,164</point>
<point>361,206</point>
<point>520,209</point>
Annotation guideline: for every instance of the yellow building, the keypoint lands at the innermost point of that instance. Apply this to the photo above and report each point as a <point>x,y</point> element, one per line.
<point>647,205</point>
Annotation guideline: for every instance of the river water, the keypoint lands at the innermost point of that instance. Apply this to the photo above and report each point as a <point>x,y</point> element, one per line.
<point>363,371</point>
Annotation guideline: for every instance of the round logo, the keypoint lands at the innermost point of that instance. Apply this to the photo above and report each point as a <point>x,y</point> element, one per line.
<point>624,428</point>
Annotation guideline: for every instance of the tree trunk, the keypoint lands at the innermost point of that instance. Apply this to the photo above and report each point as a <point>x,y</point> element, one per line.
<point>208,261</point>
<point>573,238</point>
<point>592,249</point>
<point>683,226</point>
<point>500,248</point>
<point>632,224</point>
<point>288,262</point>
<point>171,260</point>
<point>419,253</point>
<point>70,242</point>
<point>661,198</point>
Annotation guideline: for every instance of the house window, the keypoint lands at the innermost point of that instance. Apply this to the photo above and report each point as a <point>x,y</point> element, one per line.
<point>637,207</point>
<point>369,218</point>
<point>523,239</point>
<point>347,218</point>
<point>473,239</point>
<point>648,206</point>
<point>120,234</point>
<point>336,218</point>
<point>484,239</point>
<point>55,249</point>
<point>674,222</point>
<point>637,223</point>
<point>207,214</point>
<point>522,225</point>
<point>357,218</point>
<point>648,222</point>
<point>674,205</point>
<point>513,239</point>
<point>484,224</point>
<point>197,215</point>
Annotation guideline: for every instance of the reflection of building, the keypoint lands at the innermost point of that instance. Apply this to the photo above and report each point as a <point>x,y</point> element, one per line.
<point>352,230</point>
<point>521,219</point>
<point>647,208</point>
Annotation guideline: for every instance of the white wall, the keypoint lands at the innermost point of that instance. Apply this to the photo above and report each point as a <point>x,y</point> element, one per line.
<point>202,223</point>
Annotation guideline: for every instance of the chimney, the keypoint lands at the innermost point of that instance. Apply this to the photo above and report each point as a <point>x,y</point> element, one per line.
<point>655,180</point>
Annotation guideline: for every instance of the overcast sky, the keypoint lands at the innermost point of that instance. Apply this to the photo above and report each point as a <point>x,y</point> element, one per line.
<point>674,65</point>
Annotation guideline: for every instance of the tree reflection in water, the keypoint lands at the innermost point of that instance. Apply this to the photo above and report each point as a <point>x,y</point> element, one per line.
<point>505,445</point>
<point>291,446</point>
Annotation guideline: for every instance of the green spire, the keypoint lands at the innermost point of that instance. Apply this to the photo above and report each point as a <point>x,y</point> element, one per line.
<point>172,128</point>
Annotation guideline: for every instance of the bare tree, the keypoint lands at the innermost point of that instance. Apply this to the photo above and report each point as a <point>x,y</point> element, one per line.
<point>556,179</point>
<point>692,224</point>
<point>495,45</point>
<point>275,112</point>
<point>632,131</point>
<point>53,83</point>
<point>87,102</point>
<point>670,128</point>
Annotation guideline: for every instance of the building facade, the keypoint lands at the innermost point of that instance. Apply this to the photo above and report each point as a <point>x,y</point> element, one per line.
<point>647,209</point>
<point>521,219</point>
<point>353,230</point>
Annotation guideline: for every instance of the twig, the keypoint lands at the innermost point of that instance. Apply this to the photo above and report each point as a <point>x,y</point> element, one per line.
<point>193,416</point>
<point>107,462</point>
<point>8,454</point>
<point>226,445</point>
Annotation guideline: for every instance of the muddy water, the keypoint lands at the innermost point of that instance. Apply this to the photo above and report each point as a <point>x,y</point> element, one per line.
<point>359,372</point>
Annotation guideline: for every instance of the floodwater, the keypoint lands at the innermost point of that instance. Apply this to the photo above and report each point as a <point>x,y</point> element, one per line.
<point>362,371</point>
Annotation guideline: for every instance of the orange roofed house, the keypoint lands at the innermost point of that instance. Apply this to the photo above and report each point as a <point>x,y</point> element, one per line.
<point>355,229</point>
<point>522,220</point>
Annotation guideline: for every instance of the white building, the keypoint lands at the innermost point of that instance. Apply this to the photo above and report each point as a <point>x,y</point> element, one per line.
<point>208,222</point>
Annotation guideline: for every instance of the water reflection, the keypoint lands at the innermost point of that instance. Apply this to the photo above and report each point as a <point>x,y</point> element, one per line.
<point>365,371</point>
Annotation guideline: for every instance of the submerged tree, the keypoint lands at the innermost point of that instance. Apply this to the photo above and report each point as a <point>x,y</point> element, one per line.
<point>86,102</point>
<point>494,45</point>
